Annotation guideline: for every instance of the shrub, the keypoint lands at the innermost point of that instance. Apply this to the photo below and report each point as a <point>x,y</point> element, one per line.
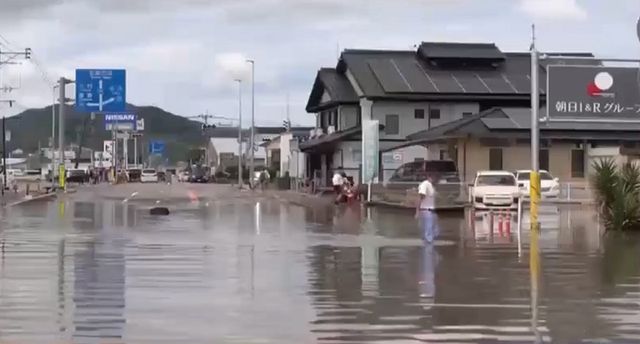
<point>617,193</point>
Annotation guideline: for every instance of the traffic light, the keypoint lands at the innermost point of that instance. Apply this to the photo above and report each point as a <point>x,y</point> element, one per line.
<point>207,126</point>
<point>286,125</point>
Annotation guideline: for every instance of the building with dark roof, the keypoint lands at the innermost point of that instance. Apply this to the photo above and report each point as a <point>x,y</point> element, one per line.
<point>409,92</point>
<point>500,139</point>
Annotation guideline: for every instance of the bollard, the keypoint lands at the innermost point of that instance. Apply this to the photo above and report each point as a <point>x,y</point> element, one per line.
<point>491,221</point>
<point>500,224</point>
<point>568,191</point>
<point>508,224</point>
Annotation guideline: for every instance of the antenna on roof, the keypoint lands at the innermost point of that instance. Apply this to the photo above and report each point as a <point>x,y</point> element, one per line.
<point>288,115</point>
<point>533,37</point>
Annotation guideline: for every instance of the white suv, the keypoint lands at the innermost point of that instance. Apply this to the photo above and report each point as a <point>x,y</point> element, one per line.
<point>495,190</point>
<point>549,186</point>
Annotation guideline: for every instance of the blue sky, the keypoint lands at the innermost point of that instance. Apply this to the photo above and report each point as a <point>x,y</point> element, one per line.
<point>183,55</point>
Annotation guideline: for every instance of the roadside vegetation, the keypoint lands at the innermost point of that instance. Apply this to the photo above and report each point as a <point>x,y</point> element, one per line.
<point>617,194</point>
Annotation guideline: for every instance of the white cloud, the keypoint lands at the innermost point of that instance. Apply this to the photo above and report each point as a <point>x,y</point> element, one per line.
<point>554,9</point>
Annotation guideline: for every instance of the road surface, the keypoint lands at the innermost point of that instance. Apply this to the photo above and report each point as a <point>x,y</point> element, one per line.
<point>240,267</point>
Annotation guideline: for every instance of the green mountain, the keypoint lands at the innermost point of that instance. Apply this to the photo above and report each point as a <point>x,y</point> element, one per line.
<point>32,129</point>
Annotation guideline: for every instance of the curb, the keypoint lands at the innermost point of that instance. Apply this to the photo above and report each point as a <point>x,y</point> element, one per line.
<point>32,199</point>
<point>405,207</point>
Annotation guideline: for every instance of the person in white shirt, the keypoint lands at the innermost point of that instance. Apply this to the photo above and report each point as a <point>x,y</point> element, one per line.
<point>337,182</point>
<point>425,210</point>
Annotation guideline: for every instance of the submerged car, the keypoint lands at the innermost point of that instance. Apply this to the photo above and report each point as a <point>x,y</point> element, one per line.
<point>495,190</point>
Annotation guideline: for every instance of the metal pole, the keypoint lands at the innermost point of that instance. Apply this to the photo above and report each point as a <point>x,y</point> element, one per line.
<point>534,188</point>
<point>135,150</point>
<point>240,133</point>
<point>53,140</point>
<point>61,85</point>
<point>253,119</point>
<point>4,154</point>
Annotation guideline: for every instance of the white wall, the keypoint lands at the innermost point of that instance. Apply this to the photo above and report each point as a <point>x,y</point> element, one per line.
<point>409,124</point>
<point>285,152</point>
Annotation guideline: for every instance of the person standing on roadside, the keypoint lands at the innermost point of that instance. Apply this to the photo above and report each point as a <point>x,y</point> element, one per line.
<point>337,181</point>
<point>425,210</point>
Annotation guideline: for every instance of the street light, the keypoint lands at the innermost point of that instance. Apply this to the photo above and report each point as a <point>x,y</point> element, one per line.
<point>239,81</point>
<point>53,162</point>
<point>253,108</point>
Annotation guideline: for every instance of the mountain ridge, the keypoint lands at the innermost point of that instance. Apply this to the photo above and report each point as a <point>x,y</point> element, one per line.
<point>31,129</point>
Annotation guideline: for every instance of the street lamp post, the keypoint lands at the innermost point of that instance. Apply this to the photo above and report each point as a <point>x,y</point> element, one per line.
<point>53,139</point>
<point>253,119</point>
<point>239,81</point>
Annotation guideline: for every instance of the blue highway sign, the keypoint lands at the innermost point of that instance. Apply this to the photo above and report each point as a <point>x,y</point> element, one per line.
<point>156,147</point>
<point>101,90</point>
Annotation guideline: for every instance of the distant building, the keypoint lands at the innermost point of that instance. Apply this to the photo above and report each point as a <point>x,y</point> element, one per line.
<point>222,150</point>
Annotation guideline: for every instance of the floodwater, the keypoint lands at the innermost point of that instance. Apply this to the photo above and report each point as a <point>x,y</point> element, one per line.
<point>260,271</point>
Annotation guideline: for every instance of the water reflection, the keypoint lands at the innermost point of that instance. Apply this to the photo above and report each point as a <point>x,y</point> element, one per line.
<point>245,271</point>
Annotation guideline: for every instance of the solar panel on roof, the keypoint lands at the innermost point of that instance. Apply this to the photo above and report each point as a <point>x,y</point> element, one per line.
<point>470,82</point>
<point>445,82</point>
<point>388,76</point>
<point>414,74</point>
<point>496,83</point>
<point>521,82</point>
<point>499,123</point>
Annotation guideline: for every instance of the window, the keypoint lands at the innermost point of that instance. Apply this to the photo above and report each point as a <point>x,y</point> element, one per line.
<point>434,113</point>
<point>418,159</point>
<point>444,155</point>
<point>577,163</point>
<point>467,114</point>
<point>392,125</point>
<point>495,159</point>
<point>544,159</point>
<point>418,113</point>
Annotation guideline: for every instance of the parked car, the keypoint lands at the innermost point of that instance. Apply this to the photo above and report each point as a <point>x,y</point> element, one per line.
<point>447,181</point>
<point>149,176</point>
<point>199,175</point>
<point>77,175</point>
<point>183,176</point>
<point>495,190</point>
<point>134,174</point>
<point>549,186</point>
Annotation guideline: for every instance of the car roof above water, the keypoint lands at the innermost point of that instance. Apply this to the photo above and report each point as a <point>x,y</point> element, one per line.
<point>494,173</point>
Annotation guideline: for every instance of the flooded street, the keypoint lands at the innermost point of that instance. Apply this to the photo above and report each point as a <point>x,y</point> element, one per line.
<point>247,269</point>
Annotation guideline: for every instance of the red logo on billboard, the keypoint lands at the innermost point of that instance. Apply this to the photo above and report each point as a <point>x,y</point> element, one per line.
<point>602,82</point>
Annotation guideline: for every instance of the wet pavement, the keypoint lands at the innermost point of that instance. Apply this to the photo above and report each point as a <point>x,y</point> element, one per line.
<point>228,267</point>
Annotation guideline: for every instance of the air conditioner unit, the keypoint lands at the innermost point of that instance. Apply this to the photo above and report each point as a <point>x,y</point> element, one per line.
<point>331,129</point>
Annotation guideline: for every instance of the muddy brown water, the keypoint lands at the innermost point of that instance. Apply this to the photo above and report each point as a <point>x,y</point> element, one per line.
<point>246,270</point>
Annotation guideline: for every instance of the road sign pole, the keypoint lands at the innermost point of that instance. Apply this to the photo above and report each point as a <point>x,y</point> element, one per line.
<point>135,150</point>
<point>534,185</point>
<point>4,155</point>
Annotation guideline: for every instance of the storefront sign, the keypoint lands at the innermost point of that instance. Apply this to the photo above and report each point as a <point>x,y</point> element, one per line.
<point>593,91</point>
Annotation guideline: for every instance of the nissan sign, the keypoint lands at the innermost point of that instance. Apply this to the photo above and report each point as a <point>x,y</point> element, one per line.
<point>120,121</point>
<point>593,91</point>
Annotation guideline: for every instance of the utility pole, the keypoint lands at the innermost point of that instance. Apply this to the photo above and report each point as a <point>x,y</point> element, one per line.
<point>253,120</point>
<point>534,187</point>
<point>10,55</point>
<point>62,83</point>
